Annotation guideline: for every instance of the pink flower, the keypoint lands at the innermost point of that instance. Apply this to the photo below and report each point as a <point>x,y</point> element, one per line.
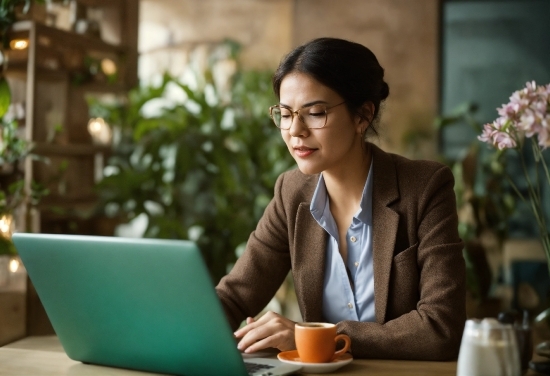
<point>527,113</point>
<point>529,122</point>
<point>487,134</point>
<point>498,134</point>
<point>508,110</point>
<point>519,100</point>
<point>531,87</point>
<point>504,140</point>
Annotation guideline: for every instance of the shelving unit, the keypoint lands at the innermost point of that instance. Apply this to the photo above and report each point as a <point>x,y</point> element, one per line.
<point>43,78</point>
<point>51,79</point>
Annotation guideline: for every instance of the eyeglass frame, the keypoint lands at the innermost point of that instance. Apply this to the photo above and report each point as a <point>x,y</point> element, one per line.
<point>300,117</point>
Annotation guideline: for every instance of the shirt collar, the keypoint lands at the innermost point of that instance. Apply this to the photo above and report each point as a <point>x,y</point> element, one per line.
<point>364,214</point>
<point>319,201</point>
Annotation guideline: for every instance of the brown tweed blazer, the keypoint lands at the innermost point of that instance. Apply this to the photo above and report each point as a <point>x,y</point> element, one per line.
<point>419,272</point>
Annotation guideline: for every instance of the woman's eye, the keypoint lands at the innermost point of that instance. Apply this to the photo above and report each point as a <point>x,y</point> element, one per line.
<point>316,111</point>
<point>285,113</point>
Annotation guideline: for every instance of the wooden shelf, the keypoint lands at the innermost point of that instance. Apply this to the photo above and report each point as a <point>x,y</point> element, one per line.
<point>68,202</point>
<point>99,3</point>
<point>70,39</point>
<point>19,70</point>
<point>43,78</point>
<point>70,150</point>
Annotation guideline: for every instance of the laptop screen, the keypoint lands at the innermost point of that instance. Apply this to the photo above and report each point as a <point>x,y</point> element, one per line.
<point>135,303</point>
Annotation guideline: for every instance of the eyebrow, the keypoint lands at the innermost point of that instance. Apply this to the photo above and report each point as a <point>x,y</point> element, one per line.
<point>305,105</point>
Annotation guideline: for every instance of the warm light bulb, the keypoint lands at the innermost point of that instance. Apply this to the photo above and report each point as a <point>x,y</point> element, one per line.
<point>95,125</point>
<point>108,66</point>
<point>19,44</point>
<point>5,225</point>
<point>14,265</point>
<point>100,131</point>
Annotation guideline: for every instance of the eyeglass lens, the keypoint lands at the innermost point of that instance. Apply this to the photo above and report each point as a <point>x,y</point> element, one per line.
<point>313,116</point>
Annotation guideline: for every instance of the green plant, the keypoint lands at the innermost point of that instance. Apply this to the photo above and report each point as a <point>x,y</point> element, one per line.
<point>525,120</point>
<point>484,201</point>
<point>14,149</point>
<point>203,169</point>
<point>13,193</point>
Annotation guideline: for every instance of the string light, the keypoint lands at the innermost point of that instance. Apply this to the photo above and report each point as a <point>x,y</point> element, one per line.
<point>14,265</point>
<point>19,44</point>
<point>5,225</point>
<point>100,131</point>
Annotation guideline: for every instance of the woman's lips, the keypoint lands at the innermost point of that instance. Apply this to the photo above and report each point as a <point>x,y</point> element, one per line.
<point>303,152</point>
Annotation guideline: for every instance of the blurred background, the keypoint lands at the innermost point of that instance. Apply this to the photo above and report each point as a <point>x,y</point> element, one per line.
<point>149,118</point>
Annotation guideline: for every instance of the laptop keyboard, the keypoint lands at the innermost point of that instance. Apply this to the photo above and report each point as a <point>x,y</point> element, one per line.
<point>253,368</point>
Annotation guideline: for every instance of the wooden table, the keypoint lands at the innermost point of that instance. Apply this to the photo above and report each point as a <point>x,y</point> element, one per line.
<point>44,356</point>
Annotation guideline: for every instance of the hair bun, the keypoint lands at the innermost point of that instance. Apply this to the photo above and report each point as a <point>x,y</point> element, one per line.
<point>384,91</point>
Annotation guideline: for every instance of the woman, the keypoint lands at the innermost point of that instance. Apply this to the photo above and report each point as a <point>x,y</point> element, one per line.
<point>370,237</point>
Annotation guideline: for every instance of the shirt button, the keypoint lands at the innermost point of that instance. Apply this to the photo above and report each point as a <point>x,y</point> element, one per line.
<point>350,305</point>
<point>353,239</point>
<point>356,263</point>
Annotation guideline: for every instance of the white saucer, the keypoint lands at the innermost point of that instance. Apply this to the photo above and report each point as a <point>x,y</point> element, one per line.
<point>292,357</point>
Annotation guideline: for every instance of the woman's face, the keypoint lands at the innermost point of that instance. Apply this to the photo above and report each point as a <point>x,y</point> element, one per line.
<point>330,148</point>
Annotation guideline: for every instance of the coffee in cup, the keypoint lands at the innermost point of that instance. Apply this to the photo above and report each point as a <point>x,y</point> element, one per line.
<point>316,342</point>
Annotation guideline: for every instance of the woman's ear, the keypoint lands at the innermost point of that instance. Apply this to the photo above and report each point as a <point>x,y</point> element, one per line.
<point>364,117</point>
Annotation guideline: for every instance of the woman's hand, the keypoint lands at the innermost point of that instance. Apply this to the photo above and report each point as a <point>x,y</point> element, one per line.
<point>270,330</point>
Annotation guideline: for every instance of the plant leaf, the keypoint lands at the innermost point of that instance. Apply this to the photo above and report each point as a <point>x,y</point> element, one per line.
<point>5,96</point>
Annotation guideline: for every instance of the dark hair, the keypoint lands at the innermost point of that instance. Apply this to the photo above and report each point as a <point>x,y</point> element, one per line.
<point>348,68</point>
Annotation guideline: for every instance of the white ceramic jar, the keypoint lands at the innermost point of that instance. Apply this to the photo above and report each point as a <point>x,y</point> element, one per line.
<point>488,348</point>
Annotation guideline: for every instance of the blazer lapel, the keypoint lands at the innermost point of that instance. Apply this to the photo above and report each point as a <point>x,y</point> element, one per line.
<point>308,264</point>
<point>385,223</point>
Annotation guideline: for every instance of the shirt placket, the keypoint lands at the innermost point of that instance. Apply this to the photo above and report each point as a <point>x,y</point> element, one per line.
<point>353,261</point>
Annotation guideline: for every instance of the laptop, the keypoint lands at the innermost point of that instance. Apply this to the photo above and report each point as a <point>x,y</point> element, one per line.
<point>143,304</point>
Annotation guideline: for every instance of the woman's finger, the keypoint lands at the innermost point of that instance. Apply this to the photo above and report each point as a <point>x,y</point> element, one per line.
<point>271,330</point>
<point>252,323</point>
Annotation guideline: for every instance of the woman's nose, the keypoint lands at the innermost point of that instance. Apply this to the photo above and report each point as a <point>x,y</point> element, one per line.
<point>298,127</point>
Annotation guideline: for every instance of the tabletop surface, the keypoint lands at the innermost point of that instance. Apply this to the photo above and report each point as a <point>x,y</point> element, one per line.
<point>45,356</point>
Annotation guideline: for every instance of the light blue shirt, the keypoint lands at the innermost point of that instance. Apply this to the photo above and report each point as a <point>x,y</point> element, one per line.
<point>340,300</point>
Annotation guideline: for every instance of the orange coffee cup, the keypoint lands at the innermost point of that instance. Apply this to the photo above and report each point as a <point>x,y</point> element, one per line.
<point>316,342</point>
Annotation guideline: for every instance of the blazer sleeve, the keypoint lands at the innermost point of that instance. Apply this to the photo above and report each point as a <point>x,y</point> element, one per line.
<point>433,330</point>
<point>263,266</point>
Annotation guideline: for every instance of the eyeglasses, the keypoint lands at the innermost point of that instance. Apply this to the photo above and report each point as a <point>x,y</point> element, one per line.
<point>313,116</point>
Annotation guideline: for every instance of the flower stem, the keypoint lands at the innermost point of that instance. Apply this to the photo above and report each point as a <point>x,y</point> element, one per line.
<point>535,200</point>
<point>543,162</point>
<point>535,197</point>
<point>515,188</point>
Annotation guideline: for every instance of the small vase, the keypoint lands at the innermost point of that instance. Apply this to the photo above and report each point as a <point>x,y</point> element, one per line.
<point>542,349</point>
<point>542,325</point>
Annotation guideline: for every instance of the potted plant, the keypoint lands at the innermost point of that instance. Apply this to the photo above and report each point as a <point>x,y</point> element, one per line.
<point>202,168</point>
<point>484,205</point>
<point>522,125</point>
<point>14,149</point>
